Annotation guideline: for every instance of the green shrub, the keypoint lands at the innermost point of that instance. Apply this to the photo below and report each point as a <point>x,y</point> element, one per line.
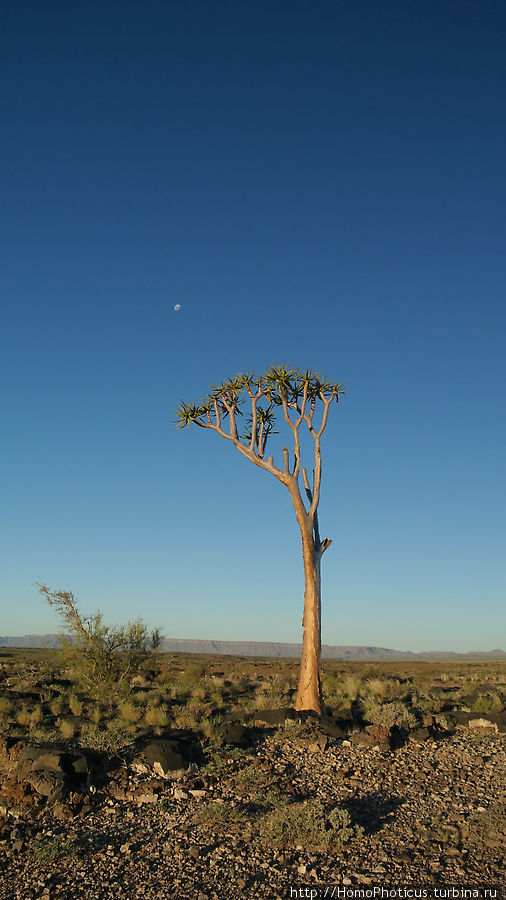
<point>488,703</point>
<point>209,727</point>
<point>391,713</point>
<point>36,716</point>
<point>23,716</point>
<point>67,729</point>
<point>158,716</point>
<point>104,658</point>
<point>75,705</point>
<point>57,704</point>
<point>111,741</point>
<point>308,824</point>
<point>49,849</point>
<point>6,707</point>
<point>220,813</point>
<point>350,687</point>
<point>129,712</point>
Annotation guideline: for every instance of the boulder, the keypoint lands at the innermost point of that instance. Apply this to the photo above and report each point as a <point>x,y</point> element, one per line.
<point>53,759</point>
<point>484,725</point>
<point>235,734</point>
<point>336,727</point>
<point>52,785</point>
<point>32,757</point>
<point>274,716</point>
<point>165,756</point>
<point>373,736</point>
<point>418,735</point>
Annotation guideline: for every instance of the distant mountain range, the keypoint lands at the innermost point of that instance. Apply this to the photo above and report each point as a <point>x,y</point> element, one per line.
<point>270,649</point>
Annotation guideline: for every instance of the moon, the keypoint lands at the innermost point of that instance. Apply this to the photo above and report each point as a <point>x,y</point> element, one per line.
<point>177,307</point>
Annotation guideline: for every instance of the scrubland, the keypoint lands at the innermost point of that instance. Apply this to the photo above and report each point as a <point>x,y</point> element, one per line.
<point>195,777</point>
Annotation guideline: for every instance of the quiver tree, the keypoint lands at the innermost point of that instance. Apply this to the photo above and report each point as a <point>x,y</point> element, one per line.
<point>303,399</point>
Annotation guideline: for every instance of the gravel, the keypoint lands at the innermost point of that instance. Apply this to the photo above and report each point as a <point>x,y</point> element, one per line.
<point>429,813</point>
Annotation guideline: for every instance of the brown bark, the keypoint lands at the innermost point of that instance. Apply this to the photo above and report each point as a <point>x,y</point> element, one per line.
<point>310,692</point>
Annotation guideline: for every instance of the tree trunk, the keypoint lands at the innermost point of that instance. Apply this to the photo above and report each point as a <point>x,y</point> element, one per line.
<point>310,693</point>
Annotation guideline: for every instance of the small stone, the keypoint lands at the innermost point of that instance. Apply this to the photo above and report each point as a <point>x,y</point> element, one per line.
<point>147,798</point>
<point>302,870</point>
<point>194,851</point>
<point>483,725</point>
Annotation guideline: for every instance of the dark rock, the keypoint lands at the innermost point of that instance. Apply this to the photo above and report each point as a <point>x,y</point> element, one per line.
<point>164,755</point>
<point>343,712</point>
<point>77,765</point>
<point>420,734</point>
<point>335,727</point>
<point>497,718</point>
<point>274,716</point>
<point>49,759</point>
<point>397,737</point>
<point>373,736</point>
<point>48,784</point>
<point>33,757</point>
<point>235,734</point>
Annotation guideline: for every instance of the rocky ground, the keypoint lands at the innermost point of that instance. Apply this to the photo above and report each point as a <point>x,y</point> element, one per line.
<point>255,820</point>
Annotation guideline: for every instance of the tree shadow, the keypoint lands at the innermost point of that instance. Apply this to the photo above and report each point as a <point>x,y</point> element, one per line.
<point>372,811</point>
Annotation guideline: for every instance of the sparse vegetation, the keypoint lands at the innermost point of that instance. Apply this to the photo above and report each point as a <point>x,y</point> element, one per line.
<point>487,703</point>
<point>67,729</point>
<point>50,849</point>
<point>180,693</point>
<point>308,824</point>
<point>75,705</point>
<point>6,708</point>
<point>223,813</point>
<point>391,713</point>
<point>103,658</point>
<point>289,790</point>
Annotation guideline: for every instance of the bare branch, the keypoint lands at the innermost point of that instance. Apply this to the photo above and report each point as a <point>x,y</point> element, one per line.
<point>314,515</point>
<point>268,464</point>
<point>317,475</point>
<point>217,411</point>
<point>302,408</point>
<point>231,407</point>
<point>325,413</point>
<point>253,421</point>
<point>286,459</point>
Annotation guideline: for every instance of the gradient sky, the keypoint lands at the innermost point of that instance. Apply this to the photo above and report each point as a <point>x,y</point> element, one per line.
<point>320,184</point>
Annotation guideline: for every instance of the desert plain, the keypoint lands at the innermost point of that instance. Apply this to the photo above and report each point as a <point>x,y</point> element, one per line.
<point>201,781</point>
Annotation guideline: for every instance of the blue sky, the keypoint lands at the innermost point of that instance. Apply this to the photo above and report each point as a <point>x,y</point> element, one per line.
<point>316,184</point>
